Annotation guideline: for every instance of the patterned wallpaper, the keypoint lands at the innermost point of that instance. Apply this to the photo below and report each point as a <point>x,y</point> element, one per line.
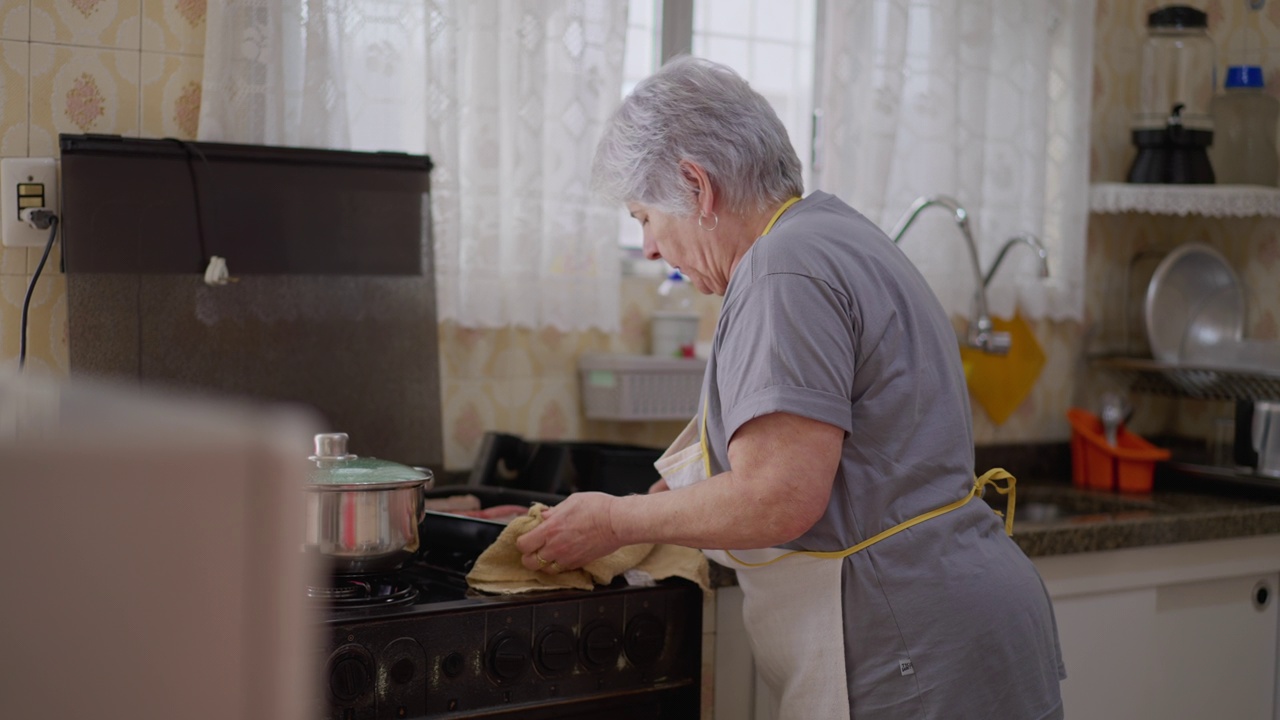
<point>133,67</point>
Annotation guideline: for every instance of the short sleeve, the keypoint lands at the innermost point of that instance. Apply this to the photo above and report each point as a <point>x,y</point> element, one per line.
<point>787,343</point>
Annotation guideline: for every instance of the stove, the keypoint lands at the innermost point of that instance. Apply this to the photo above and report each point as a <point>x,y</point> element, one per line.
<point>419,644</point>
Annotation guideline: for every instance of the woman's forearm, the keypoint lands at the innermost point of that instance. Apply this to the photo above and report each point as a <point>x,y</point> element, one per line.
<point>784,466</point>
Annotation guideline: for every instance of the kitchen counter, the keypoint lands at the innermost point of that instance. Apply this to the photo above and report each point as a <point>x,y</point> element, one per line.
<point>1053,518</point>
<point>1165,517</point>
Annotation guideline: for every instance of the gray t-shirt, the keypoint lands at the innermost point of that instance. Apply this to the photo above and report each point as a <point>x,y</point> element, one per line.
<point>826,318</point>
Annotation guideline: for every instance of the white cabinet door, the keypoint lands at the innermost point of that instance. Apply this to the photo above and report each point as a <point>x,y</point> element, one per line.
<point>1168,632</point>
<point>1187,650</point>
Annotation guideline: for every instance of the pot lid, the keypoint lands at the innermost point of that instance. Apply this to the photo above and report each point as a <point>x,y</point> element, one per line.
<point>333,467</point>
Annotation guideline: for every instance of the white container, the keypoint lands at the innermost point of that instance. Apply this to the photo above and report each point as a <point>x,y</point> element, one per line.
<point>1244,140</point>
<point>1266,437</point>
<point>640,387</point>
<point>673,334</point>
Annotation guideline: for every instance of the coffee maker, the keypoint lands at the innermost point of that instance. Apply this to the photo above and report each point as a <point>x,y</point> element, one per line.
<point>1173,127</point>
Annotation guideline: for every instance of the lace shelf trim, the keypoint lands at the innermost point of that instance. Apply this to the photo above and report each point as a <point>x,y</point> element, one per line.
<point>1206,200</point>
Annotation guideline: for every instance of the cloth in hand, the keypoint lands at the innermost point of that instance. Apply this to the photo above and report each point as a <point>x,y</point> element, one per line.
<point>499,568</point>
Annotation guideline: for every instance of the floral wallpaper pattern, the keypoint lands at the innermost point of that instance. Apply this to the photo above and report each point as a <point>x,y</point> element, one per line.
<point>84,102</point>
<point>86,7</point>
<point>134,68</point>
<point>186,110</point>
<point>193,11</point>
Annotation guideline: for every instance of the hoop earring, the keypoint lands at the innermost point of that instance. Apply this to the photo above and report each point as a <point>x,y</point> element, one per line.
<point>715,221</point>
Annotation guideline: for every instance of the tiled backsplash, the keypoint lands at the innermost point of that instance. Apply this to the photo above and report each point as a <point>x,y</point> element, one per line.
<point>133,67</point>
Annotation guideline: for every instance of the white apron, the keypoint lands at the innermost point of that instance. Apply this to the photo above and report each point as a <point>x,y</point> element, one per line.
<point>792,602</point>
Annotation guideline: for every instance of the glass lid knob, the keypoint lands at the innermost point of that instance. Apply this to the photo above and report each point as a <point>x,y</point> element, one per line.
<point>331,446</point>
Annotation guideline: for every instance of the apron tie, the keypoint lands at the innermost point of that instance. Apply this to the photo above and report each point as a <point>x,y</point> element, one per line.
<point>990,477</point>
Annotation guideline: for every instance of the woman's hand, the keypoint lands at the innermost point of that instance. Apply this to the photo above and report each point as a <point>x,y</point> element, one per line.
<point>659,486</point>
<point>571,534</point>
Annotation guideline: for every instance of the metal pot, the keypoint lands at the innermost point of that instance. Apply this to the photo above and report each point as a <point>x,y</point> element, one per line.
<point>362,514</point>
<point>1258,436</point>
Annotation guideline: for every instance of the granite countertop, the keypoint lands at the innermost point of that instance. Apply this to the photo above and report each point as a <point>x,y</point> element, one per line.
<point>1108,521</point>
<point>1053,518</point>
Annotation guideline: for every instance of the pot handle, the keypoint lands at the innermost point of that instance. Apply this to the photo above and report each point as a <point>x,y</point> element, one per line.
<point>422,501</point>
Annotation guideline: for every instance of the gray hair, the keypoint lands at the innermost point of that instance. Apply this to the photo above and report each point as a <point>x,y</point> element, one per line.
<point>694,109</point>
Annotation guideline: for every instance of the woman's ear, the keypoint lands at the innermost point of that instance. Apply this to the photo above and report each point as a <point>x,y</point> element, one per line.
<point>700,185</point>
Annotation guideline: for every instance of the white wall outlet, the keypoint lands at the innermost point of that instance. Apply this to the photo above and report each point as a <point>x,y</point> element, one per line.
<point>26,183</point>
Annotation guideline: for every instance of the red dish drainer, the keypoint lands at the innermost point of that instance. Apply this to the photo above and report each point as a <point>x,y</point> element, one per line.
<point>1127,467</point>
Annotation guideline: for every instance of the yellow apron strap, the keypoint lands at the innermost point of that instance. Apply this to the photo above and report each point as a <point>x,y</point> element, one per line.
<point>778,214</point>
<point>702,440</point>
<point>988,478</point>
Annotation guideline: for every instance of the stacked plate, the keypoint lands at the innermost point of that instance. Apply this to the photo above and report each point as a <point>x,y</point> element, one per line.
<point>1195,314</point>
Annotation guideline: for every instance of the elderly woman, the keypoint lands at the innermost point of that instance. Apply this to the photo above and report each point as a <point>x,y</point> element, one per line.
<point>831,462</point>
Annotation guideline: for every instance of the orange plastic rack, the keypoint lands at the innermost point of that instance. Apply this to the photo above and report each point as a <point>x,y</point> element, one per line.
<point>1128,466</point>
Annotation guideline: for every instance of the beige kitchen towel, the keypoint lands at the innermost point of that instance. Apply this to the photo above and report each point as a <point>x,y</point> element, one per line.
<point>499,568</point>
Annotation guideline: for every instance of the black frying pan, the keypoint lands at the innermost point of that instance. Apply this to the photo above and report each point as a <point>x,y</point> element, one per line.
<point>458,533</point>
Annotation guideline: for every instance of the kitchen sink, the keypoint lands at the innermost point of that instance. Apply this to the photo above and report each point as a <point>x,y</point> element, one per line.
<point>1041,505</point>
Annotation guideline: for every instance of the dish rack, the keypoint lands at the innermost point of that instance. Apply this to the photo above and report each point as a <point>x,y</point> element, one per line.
<point>640,387</point>
<point>1192,381</point>
<point>1199,383</point>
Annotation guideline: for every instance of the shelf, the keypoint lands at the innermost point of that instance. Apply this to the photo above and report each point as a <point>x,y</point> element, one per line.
<point>1203,200</point>
<point>1193,381</point>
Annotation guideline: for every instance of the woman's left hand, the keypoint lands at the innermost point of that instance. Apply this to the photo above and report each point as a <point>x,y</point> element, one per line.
<point>571,534</point>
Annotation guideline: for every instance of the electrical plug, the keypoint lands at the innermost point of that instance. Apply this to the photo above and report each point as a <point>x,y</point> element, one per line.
<point>38,218</point>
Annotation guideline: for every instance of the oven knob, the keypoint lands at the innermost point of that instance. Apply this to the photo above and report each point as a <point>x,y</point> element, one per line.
<point>350,674</point>
<point>599,645</point>
<point>508,655</point>
<point>452,664</point>
<point>645,639</point>
<point>553,649</point>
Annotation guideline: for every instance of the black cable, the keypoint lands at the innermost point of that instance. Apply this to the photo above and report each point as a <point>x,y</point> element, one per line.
<point>188,148</point>
<point>26,303</point>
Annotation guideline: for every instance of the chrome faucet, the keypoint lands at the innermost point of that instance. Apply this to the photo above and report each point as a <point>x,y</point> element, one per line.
<point>1028,240</point>
<point>981,333</point>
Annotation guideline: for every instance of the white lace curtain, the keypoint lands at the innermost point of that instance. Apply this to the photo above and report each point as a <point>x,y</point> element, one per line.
<point>507,97</point>
<point>986,101</point>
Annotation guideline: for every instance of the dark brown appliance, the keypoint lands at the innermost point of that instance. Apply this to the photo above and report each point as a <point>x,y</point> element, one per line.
<point>333,304</point>
<point>562,467</point>
<point>418,643</point>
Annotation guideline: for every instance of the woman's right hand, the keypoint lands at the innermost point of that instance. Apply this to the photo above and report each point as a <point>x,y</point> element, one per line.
<point>659,486</point>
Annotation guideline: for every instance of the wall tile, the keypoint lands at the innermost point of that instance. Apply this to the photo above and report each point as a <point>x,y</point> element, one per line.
<point>170,95</point>
<point>47,326</point>
<point>465,352</point>
<point>15,20</point>
<point>52,266</point>
<point>14,70</point>
<point>88,23</point>
<point>468,411</point>
<point>13,127</point>
<point>81,90</point>
<point>13,261</point>
<point>173,26</point>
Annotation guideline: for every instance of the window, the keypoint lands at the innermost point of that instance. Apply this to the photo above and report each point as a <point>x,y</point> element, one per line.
<point>769,43</point>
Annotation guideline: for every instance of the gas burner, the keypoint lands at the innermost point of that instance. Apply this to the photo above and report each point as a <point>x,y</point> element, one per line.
<point>357,592</point>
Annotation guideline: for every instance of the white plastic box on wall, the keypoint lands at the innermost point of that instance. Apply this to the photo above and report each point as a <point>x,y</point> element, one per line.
<point>640,387</point>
